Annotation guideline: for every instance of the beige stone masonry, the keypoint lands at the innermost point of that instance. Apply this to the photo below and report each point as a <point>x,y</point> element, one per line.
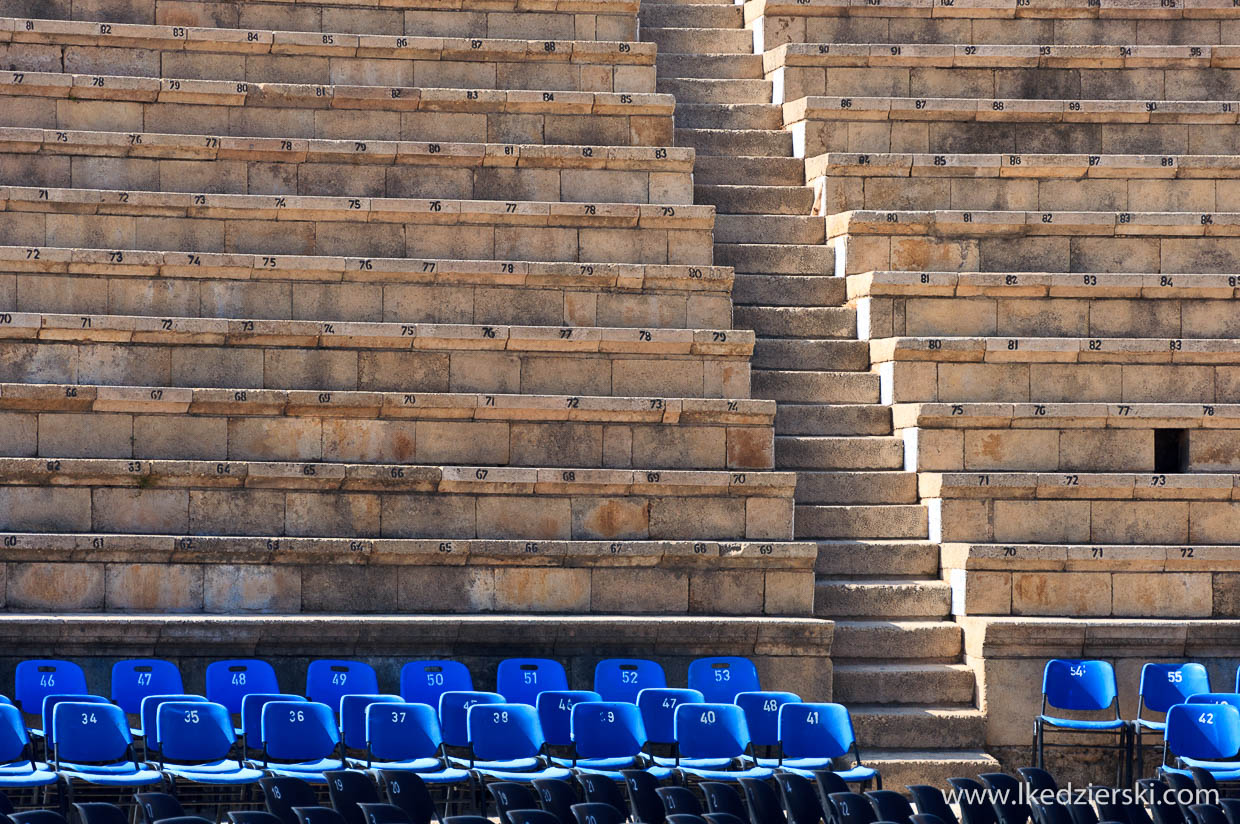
<point>1054,416</point>
<point>1042,285</point>
<point>998,56</point>
<point>1067,9</point>
<point>1056,350</point>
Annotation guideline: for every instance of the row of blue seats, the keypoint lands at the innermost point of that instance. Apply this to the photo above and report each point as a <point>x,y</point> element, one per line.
<point>519,680</point>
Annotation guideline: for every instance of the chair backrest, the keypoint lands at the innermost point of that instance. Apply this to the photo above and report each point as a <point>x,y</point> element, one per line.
<point>815,730</point>
<point>852,808</point>
<point>800,799</point>
<point>327,680</point>
<point>1214,698</point>
<point>252,817</point>
<point>353,717</point>
<point>283,793</point>
<point>381,813</point>
<point>228,682</point>
<point>37,817</point>
<point>318,815</point>
<point>520,680</point>
<point>422,682</point>
<point>890,805</point>
<point>252,714</point>
<point>644,803</point>
<point>454,711</point>
<point>1073,684</point>
<point>1042,813</point>
<point>14,740</point>
<point>711,731</point>
<point>1209,732</point>
<point>511,795</point>
<point>100,813</point>
<point>679,800</point>
<point>1038,779</point>
<point>90,732</point>
<point>602,790</point>
<point>1208,814</point>
<point>136,678</point>
<point>50,702</point>
<point>347,789</point>
<point>930,801</point>
<point>193,731</point>
<point>596,813</point>
<point>407,790</point>
<point>556,796</point>
<point>531,816</point>
<point>1164,685</point>
<point>38,678</point>
<point>658,709</point>
<point>298,730</point>
<point>555,712</point>
<point>607,729</point>
<point>762,714</point>
<point>1005,798</point>
<point>148,708</point>
<point>971,797</point>
<point>620,679</point>
<point>400,732</point>
<point>764,806</point>
<point>722,797</point>
<point>720,679</point>
<point>157,806</point>
<point>499,732</point>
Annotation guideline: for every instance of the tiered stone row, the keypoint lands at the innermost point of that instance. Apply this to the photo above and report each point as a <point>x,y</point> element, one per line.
<point>330,307</point>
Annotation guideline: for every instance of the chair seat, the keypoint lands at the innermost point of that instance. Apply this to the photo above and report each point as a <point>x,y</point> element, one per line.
<point>696,763</point>
<point>451,775</point>
<point>430,764</point>
<point>227,765</point>
<point>1222,771</point>
<point>1085,725</point>
<point>660,773</point>
<point>727,775</point>
<point>546,772</point>
<point>805,767</point>
<point>22,768</point>
<point>240,775</point>
<point>513,764</point>
<point>1146,724</point>
<point>616,763</point>
<point>37,776</point>
<point>132,778</point>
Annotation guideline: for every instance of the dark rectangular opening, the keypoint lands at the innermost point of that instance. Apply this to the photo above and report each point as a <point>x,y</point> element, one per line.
<point>1170,450</point>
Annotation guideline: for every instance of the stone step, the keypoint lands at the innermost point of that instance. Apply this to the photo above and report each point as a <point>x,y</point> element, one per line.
<point>830,355</point>
<point>895,726</point>
<point>924,641</point>
<point>853,559</point>
<point>771,258</point>
<point>715,90</point>
<point>882,598</point>
<point>729,142</point>
<point>795,229</point>
<point>900,683</point>
<point>866,521</point>
<point>841,452</point>
<point>857,487</point>
<point>901,768</point>
<point>733,116</point>
<point>797,321</point>
<point>758,200</point>
<point>692,16</point>
<point>832,419</point>
<point>717,66</point>
<point>816,387</point>
<point>787,290</point>
<point>740,170</point>
<point>693,40</point>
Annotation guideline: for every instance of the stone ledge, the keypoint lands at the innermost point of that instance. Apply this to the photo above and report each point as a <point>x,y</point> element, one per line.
<point>988,9</point>
<point>1058,415</point>
<point>1043,284</point>
<point>1020,166</point>
<point>983,349</point>
<point>1085,485</point>
<point>1000,56</point>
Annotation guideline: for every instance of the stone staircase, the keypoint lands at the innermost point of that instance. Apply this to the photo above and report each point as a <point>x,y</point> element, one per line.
<point>897,654</point>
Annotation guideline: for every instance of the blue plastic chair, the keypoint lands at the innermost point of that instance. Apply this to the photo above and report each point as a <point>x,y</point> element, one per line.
<point>504,734</point>
<point>608,736</point>
<point>39,678</point>
<point>407,737</point>
<point>17,768</point>
<point>353,717</point>
<point>658,711</point>
<point>454,709</point>
<point>620,679</point>
<point>147,714</point>
<point>762,715</point>
<point>422,682</point>
<point>50,702</point>
<point>1214,698</point>
<point>302,737</point>
<point>1082,686</point>
<point>194,739</point>
<point>713,731</point>
<point>136,678</point>
<point>720,679</point>
<point>328,680</point>
<point>812,736</point>
<point>520,680</point>
<point>252,717</point>
<point>1203,736</point>
<point>1163,686</point>
<point>92,744</point>
<point>555,713</point>
<point>228,682</point>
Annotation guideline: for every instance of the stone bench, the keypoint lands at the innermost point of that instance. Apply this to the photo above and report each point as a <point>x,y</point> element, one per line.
<point>1082,580</point>
<point>1007,241</point>
<point>362,226</point>
<point>148,422</point>
<point>53,100</point>
<point>1085,508</point>
<point>523,19</point>
<point>872,125</point>
<point>203,284</point>
<point>1090,437</point>
<point>892,304</point>
<point>1035,182</point>
<point>391,500</point>
<point>996,22</point>
<point>1035,370</point>
<point>386,168</point>
<point>1000,71</point>
<point>333,57</point>
<point>99,572</point>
